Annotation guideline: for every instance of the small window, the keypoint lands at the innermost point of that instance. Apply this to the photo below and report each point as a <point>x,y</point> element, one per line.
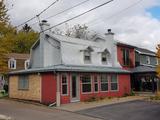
<point>126,60</point>
<point>26,64</point>
<point>114,82</point>
<point>86,83</point>
<point>23,82</point>
<point>95,84</point>
<point>87,56</point>
<point>64,82</point>
<point>104,83</point>
<point>148,59</point>
<point>12,63</point>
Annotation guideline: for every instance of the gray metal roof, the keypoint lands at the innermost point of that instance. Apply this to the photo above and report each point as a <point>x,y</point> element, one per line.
<point>72,68</point>
<point>145,51</point>
<point>143,69</point>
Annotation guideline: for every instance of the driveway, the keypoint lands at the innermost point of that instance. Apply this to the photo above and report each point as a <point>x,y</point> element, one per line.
<point>22,111</point>
<point>134,110</point>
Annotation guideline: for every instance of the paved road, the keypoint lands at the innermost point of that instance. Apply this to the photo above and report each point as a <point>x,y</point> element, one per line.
<point>135,110</point>
<point>21,111</point>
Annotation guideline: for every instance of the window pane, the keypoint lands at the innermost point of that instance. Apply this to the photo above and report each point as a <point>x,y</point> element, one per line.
<point>96,87</point>
<point>104,78</point>
<point>114,78</point>
<point>64,89</point>
<point>86,88</point>
<point>104,86</point>
<point>114,86</point>
<point>23,82</point>
<point>86,79</point>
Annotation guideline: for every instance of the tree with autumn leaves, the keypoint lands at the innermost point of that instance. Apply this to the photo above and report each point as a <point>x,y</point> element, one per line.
<point>11,39</point>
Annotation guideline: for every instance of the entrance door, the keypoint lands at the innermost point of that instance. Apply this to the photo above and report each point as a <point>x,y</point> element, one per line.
<point>74,88</point>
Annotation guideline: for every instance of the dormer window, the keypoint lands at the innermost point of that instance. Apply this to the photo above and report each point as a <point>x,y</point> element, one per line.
<point>12,63</point>
<point>26,64</point>
<point>87,55</point>
<point>105,56</point>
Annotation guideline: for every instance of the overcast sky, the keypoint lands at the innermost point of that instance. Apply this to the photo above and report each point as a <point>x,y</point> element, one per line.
<point>136,22</point>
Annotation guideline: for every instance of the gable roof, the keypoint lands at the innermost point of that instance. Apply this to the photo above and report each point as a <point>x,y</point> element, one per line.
<point>18,56</point>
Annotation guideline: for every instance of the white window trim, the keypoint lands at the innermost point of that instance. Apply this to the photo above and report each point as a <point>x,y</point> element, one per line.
<point>117,85</point>
<point>25,64</point>
<point>104,82</point>
<point>65,84</point>
<point>85,83</point>
<point>96,83</point>
<point>15,63</point>
<point>87,61</point>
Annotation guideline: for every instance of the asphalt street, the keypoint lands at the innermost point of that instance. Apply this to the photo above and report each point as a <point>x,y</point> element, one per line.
<point>135,110</point>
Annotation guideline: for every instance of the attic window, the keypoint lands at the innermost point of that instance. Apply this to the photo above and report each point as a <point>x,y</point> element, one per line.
<point>105,56</point>
<point>87,54</point>
<point>12,63</point>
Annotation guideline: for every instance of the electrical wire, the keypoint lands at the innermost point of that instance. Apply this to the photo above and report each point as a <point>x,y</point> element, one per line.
<point>79,15</point>
<point>37,14</point>
<point>64,11</point>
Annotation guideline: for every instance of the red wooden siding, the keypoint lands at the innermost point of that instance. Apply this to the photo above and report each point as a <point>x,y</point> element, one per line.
<point>131,56</point>
<point>123,88</point>
<point>48,88</point>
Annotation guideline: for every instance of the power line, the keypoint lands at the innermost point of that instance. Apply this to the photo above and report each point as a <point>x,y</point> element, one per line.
<point>37,14</point>
<point>64,10</point>
<point>114,15</point>
<point>79,15</point>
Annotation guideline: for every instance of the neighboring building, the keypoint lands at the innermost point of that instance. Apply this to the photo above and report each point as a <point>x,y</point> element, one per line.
<point>142,64</point>
<point>144,77</point>
<point>65,69</point>
<point>15,62</point>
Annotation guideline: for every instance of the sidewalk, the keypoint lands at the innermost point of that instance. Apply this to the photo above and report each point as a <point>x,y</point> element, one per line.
<point>86,105</point>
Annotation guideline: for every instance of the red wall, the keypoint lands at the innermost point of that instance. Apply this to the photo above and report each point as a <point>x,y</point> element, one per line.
<point>48,88</point>
<point>124,87</point>
<point>131,56</point>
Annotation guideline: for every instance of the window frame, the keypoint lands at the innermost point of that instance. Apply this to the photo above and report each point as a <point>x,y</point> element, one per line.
<point>107,76</point>
<point>106,56</point>
<point>21,80</point>
<point>114,82</point>
<point>14,62</point>
<point>25,64</point>
<point>89,55</point>
<point>86,83</point>
<point>124,56</point>
<point>148,60</point>
<point>95,83</point>
<point>62,84</point>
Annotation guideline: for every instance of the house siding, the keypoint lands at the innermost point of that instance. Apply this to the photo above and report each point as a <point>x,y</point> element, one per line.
<point>123,88</point>
<point>34,91</point>
<point>131,56</point>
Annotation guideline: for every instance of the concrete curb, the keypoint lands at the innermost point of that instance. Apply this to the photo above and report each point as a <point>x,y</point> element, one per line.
<point>3,117</point>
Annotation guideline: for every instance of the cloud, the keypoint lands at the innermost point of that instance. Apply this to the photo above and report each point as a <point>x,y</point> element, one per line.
<point>129,19</point>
